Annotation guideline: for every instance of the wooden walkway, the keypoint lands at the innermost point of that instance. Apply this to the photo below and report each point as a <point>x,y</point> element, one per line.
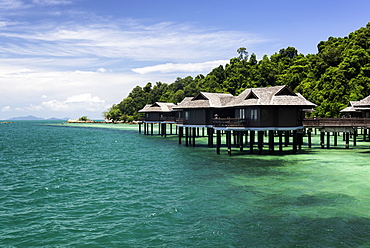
<point>337,122</point>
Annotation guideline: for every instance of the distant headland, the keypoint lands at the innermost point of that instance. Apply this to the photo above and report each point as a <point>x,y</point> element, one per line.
<point>34,118</point>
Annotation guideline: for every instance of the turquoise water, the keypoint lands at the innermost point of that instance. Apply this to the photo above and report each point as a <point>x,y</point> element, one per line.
<point>107,186</point>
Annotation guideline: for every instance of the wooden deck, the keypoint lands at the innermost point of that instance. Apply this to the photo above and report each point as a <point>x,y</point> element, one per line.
<point>229,122</point>
<point>337,122</point>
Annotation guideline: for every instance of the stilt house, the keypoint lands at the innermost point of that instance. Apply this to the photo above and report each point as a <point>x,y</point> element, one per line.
<point>203,108</point>
<point>270,108</point>
<point>158,112</point>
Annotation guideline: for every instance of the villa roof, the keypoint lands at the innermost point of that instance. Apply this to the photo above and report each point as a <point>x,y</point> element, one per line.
<point>206,100</point>
<point>363,103</point>
<point>271,96</point>
<point>350,107</point>
<point>158,107</point>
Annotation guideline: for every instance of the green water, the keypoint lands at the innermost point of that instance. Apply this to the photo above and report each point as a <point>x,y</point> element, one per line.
<point>97,185</point>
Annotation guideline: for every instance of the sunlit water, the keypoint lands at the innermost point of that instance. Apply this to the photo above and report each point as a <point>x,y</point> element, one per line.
<point>103,185</point>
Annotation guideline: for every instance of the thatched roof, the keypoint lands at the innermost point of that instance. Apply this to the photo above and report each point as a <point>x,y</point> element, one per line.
<point>206,100</point>
<point>350,107</point>
<point>271,96</point>
<point>363,103</point>
<point>158,107</point>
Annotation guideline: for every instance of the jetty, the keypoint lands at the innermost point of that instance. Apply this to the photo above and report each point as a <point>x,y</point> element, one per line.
<point>244,121</point>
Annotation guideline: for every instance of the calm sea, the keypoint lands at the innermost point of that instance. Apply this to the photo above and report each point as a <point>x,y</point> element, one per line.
<point>64,185</point>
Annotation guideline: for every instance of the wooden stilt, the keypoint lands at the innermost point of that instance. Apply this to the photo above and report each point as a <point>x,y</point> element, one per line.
<point>294,141</point>
<point>286,138</point>
<point>228,141</point>
<point>280,141</point>
<point>194,134</point>
<point>354,137</point>
<point>241,134</point>
<point>327,140</point>
<point>271,141</point>
<point>335,138</point>
<point>322,137</point>
<point>186,136</point>
<point>180,134</point>
<point>309,134</point>
<point>347,140</point>
<point>251,142</point>
<point>218,141</point>
<point>260,142</point>
<point>152,128</point>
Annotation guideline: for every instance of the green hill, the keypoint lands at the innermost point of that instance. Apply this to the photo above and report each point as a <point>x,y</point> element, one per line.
<point>338,73</point>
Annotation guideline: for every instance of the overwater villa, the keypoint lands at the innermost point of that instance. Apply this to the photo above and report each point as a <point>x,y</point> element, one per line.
<point>273,109</point>
<point>157,113</point>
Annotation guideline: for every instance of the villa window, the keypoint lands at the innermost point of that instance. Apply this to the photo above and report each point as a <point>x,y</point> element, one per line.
<point>242,113</point>
<point>186,115</point>
<point>254,114</point>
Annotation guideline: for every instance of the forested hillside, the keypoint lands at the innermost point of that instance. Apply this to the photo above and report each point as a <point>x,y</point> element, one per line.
<point>338,73</point>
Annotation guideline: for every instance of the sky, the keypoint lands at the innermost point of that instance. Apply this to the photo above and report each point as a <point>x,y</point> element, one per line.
<point>73,58</point>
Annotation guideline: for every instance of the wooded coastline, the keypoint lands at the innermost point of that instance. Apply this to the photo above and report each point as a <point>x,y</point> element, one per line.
<point>337,74</point>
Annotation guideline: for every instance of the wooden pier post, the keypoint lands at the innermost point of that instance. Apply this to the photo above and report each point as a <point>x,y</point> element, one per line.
<point>152,128</point>
<point>271,141</point>
<point>280,141</point>
<point>355,137</point>
<point>228,142</point>
<point>251,142</point>
<point>180,134</point>
<point>309,137</point>
<point>294,141</point>
<point>335,138</point>
<point>240,135</point>
<point>186,136</point>
<point>300,139</point>
<point>260,142</point>
<point>286,138</point>
<point>218,141</point>
<point>322,138</point>
<point>194,134</point>
<point>347,140</point>
<point>327,140</point>
<point>210,136</point>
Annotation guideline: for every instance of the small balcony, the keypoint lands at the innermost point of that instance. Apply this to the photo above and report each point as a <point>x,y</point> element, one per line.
<point>229,122</point>
<point>167,118</point>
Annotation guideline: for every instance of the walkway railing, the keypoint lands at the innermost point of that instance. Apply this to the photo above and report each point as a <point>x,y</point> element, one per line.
<point>337,122</point>
<point>229,122</point>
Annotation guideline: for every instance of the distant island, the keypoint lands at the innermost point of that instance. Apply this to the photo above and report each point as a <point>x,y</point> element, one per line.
<point>34,118</point>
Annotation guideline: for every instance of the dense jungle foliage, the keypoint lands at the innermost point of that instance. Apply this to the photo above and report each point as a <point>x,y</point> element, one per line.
<point>338,73</point>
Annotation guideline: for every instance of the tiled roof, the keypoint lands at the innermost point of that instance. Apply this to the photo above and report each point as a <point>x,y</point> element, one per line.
<point>271,96</point>
<point>206,100</point>
<point>158,107</point>
<point>363,103</point>
<point>350,108</point>
<point>268,96</point>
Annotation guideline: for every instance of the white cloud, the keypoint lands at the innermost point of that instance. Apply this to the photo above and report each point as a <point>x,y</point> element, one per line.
<point>188,67</point>
<point>156,42</point>
<point>11,4</point>
<point>5,109</point>
<point>82,101</point>
<point>52,2</point>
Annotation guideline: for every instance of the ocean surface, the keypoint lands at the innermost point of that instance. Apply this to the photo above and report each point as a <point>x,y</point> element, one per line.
<point>99,185</point>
